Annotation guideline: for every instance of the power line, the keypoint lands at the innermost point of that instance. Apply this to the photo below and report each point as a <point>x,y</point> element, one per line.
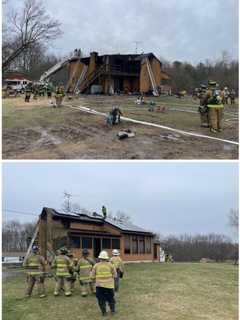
<point>19,212</point>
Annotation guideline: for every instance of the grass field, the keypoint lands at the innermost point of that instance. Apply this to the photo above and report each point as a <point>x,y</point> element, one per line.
<point>38,131</point>
<point>179,291</point>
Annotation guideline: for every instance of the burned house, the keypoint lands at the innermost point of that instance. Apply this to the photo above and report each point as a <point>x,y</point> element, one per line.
<point>116,73</point>
<point>96,233</point>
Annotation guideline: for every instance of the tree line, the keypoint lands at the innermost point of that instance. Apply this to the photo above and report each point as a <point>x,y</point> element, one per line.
<point>185,76</point>
<point>16,236</point>
<point>186,248</point>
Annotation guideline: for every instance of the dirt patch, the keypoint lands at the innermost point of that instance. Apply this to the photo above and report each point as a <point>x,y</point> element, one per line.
<point>72,134</point>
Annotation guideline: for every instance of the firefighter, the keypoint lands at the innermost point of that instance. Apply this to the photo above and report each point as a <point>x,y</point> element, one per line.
<point>64,270</point>
<point>41,90</point>
<point>28,91</point>
<point>104,272</point>
<point>49,90</point>
<point>214,102</point>
<point>104,212</point>
<point>74,262</point>
<point>226,95</point>
<point>35,265</point>
<point>84,269</point>
<point>232,96</point>
<point>203,109</point>
<point>116,115</point>
<point>118,264</point>
<point>59,94</point>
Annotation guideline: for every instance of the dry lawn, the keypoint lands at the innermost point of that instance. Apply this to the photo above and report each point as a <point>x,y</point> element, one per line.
<point>179,291</point>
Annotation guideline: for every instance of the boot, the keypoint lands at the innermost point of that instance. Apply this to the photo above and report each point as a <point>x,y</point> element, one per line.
<point>112,308</point>
<point>102,306</point>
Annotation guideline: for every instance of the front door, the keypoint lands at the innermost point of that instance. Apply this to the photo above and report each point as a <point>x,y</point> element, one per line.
<point>96,247</point>
<point>155,252</point>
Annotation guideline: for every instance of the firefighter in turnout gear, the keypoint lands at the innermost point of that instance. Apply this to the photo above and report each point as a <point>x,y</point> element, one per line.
<point>35,266</point>
<point>84,268</point>
<point>28,92</point>
<point>118,264</point>
<point>214,102</point>
<point>104,272</point>
<point>74,262</point>
<point>64,270</point>
<point>59,95</point>
<point>203,108</point>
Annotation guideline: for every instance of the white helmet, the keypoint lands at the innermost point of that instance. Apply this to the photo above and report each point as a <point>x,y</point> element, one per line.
<point>115,252</point>
<point>103,255</point>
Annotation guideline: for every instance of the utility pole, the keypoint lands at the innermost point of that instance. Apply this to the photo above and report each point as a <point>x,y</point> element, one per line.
<point>136,45</point>
<point>67,197</point>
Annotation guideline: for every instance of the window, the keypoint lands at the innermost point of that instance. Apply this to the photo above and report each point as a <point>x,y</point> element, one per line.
<point>106,243</point>
<point>141,245</point>
<point>115,244</point>
<point>74,242</point>
<point>87,243</point>
<point>127,245</point>
<point>134,245</point>
<point>148,244</point>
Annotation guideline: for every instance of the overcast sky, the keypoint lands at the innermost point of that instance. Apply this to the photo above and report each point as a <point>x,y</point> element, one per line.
<point>186,30</point>
<point>170,198</point>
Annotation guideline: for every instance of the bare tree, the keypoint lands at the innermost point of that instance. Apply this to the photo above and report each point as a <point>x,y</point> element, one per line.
<point>234,220</point>
<point>30,26</point>
<point>120,215</point>
<point>16,235</point>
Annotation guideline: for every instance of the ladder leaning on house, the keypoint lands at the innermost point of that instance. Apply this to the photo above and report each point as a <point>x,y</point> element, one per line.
<point>31,243</point>
<point>86,83</point>
<point>152,78</point>
<point>81,78</point>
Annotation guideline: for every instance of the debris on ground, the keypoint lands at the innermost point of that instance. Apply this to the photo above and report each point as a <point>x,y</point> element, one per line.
<point>123,134</point>
<point>173,137</point>
<point>161,109</point>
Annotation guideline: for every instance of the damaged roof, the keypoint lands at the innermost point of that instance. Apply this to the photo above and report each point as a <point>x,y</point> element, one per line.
<point>124,226</point>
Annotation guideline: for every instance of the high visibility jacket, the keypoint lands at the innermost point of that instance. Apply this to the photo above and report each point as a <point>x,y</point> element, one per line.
<point>35,265</point>
<point>63,266</point>
<point>209,97</point>
<point>117,262</point>
<point>60,92</point>
<point>104,273</point>
<point>85,268</point>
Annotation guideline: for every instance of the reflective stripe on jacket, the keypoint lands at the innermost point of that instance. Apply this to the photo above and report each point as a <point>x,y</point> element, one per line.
<point>216,106</point>
<point>117,262</point>
<point>104,273</point>
<point>85,268</point>
<point>63,266</point>
<point>35,265</point>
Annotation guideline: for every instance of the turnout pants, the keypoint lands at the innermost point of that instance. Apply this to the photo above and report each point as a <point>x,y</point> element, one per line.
<point>104,296</point>
<point>59,101</point>
<point>63,282</point>
<point>117,281</point>
<point>204,119</point>
<point>87,287</point>
<point>31,281</point>
<point>215,118</point>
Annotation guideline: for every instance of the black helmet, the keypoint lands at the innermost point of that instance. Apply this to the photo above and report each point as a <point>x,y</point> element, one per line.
<point>85,252</point>
<point>63,250</point>
<point>35,248</point>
